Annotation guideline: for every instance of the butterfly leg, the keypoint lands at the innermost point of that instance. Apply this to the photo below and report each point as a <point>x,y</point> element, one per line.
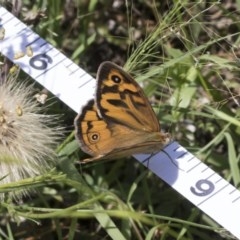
<point>148,159</point>
<point>153,154</point>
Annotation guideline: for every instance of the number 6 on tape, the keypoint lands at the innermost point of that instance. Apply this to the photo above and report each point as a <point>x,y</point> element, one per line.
<point>200,189</point>
<point>40,61</point>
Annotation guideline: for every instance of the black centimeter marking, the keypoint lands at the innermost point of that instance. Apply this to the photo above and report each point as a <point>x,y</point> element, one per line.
<point>70,64</point>
<point>74,71</point>
<point>190,159</point>
<point>233,191</point>
<point>5,12</point>
<point>57,53</point>
<point>29,33</point>
<point>34,41</point>
<point>205,169</point>
<point>21,30</point>
<point>19,23</point>
<point>83,74</point>
<point>189,170</point>
<point>219,180</point>
<point>47,70</point>
<point>71,72</point>
<point>8,20</point>
<point>182,155</point>
<point>236,199</point>
<point>206,199</point>
<point>43,44</point>
<point>211,175</point>
<point>90,79</point>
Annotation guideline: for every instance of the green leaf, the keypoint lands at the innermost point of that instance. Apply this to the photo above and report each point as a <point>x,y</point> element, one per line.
<point>233,160</point>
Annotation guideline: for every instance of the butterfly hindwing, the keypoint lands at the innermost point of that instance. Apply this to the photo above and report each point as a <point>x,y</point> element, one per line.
<point>89,125</point>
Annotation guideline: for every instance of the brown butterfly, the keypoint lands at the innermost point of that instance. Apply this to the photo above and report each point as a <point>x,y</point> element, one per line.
<point>120,121</point>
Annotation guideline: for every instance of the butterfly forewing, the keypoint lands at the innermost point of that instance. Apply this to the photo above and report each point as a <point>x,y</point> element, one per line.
<point>121,100</point>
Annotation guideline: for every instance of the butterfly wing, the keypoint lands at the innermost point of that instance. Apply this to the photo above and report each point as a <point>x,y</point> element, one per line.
<point>97,137</point>
<point>120,122</point>
<point>121,100</point>
<point>89,128</point>
<point>111,140</point>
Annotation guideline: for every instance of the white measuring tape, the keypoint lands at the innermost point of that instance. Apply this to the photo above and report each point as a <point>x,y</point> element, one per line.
<point>175,165</point>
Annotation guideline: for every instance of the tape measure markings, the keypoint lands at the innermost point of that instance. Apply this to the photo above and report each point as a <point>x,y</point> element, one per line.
<point>45,59</point>
<point>214,199</point>
<point>212,195</point>
<point>50,68</point>
<point>238,198</point>
<point>7,19</point>
<point>175,165</point>
<point>202,174</point>
<point>74,70</point>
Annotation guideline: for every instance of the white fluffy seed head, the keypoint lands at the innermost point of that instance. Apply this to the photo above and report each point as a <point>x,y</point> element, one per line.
<point>26,138</point>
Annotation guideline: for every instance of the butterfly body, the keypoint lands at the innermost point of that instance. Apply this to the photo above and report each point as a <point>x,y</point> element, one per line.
<point>120,121</point>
